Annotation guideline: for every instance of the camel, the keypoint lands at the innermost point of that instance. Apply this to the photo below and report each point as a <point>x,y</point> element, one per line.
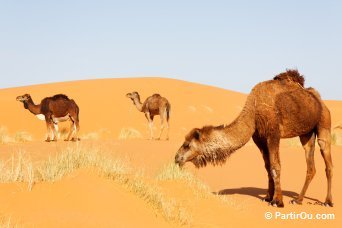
<point>275,109</point>
<point>153,105</point>
<point>53,110</point>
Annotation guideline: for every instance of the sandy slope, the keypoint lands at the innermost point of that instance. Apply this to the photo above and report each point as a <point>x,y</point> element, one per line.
<point>84,199</point>
<point>104,108</point>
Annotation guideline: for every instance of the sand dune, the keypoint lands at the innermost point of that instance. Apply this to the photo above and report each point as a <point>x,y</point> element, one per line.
<point>110,123</point>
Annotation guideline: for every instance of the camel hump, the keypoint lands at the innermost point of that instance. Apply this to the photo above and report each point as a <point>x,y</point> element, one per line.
<point>60,96</point>
<point>291,75</point>
<point>314,92</point>
<point>156,95</point>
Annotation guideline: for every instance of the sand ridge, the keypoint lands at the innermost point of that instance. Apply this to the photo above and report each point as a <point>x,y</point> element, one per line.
<point>106,115</point>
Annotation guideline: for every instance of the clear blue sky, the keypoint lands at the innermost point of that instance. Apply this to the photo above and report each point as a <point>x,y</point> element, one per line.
<point>230,44</point>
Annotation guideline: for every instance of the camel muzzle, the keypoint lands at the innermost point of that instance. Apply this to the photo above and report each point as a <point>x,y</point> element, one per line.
<point>179,160</point>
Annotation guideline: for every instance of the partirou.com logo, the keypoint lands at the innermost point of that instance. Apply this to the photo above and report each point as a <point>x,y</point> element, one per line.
<point>298,216</point>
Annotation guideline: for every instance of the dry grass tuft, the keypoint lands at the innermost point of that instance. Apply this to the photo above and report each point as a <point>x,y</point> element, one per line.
<point>171,171</point>
<point>7,222</point>
<point>17,169</point>
<point>96,135</point>
<point>55,168</point>
<point>20,136</point>
<point>130,133</point>
<point>4,138</point>
<point>293,142</point>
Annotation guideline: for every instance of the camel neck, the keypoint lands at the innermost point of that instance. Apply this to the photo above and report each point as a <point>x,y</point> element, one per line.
<point>138,104</point>
<point>222,141</point>
<point>34,109</point>
<point>239,132</point>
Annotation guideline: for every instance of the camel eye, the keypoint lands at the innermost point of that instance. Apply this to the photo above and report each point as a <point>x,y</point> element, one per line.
<point>186,145</point>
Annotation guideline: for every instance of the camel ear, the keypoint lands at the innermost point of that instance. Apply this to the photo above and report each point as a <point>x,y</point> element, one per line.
<point>197,134</point>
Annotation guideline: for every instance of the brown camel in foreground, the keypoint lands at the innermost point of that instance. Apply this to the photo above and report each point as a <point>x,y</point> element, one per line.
<point>153,105</point>
<point>275,109</point>
<point>58,108</point>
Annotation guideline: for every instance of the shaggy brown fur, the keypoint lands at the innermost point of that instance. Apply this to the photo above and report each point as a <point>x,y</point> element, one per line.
<point>274,109</point>
<point>57,108</point>
<point>291,75</point>
<point>153,105</point>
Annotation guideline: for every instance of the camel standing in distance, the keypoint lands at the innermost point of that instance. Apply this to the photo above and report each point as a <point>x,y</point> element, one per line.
<point>58,108</point>
<point>153,105</point>
<point>275,109</point>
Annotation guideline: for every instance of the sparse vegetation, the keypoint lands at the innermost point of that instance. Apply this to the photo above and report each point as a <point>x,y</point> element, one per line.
<point>293,142</point>
<point>20,169</point>
<point>7,222</point>
<point>171,171</point>
<point>63,133</point>
<point>20,136</point>
<point>101,133</point>
<point>336,139</point>
<point>130,133</point>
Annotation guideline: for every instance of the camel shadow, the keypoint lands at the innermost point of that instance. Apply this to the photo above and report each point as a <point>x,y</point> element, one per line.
<point>260,193</point>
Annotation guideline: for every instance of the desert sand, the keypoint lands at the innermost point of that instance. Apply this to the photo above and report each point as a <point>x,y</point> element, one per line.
<point>110,123</point>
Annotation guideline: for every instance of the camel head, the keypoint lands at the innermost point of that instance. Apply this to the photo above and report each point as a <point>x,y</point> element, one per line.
<point>24,98</point>
<point>192,148</point>
<point>133,96</point>
<point>206,145</point>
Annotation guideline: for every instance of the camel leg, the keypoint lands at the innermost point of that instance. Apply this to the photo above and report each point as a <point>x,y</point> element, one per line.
<point>273,148</point>
<point>49,131</point>
<point>308,142</point>
<point>167,123</point>
<point>168,129</point>
<point>74,132</point>
<point>162,117</point>
<point>261,144</point>
<point>150,124</point>
<point>324,142</point>
<point>77,129</point>
<point>55,132</point>
<point>71,131</point>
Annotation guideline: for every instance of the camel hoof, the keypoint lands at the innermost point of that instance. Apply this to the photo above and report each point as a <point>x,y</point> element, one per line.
<point>328,204</point>
<point>47,140</point>
<point>295,202</point>
<point>266,199</point>
<point>158,138</point>
<point>276,203</point>
<point>75,139</point>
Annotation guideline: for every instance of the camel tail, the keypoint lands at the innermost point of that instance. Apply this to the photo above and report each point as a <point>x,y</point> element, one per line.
<point>77,110</point>
<point>168,110</point>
